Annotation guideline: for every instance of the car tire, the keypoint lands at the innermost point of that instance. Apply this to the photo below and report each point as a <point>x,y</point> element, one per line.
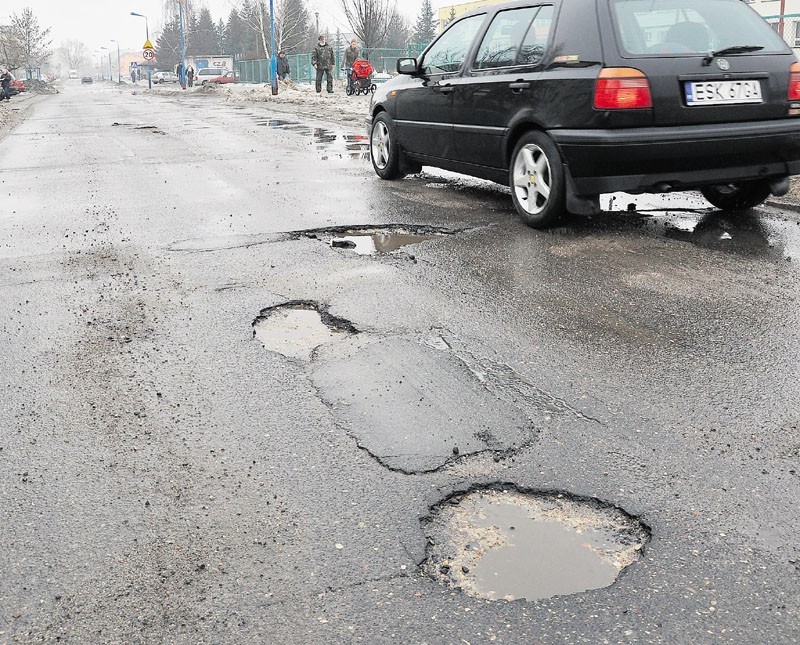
<point>536,179</point>
<point>383,149</point>
<point>738,196</point>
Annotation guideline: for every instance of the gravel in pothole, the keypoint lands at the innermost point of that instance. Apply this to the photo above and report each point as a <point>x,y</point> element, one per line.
<point>501,544</point>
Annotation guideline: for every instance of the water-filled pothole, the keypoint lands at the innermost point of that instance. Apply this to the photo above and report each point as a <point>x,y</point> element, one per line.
<point>386,240</point>
<point>354,146</point>
<point>296,329</point>
<point>501,544</point>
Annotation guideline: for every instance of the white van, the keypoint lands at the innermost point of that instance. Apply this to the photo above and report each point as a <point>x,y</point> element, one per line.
<point>73,73</point>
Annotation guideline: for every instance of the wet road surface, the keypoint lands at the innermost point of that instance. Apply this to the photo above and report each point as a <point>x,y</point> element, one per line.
<point>165,476</point>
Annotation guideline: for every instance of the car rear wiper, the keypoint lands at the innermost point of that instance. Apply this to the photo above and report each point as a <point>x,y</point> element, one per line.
<point>736,49</point>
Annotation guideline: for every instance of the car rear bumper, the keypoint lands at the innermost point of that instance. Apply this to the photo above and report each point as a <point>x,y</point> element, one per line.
<point>677,158</point>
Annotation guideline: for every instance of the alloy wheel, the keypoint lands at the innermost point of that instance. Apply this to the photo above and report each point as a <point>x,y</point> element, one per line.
<point>532,179</point>
<point>380,145</point>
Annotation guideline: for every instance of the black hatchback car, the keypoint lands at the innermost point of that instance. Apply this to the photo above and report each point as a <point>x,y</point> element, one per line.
<point>567,99</point>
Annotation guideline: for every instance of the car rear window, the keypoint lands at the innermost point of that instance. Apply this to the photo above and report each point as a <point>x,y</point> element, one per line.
<point>515,37</point>
<point>690,27</point>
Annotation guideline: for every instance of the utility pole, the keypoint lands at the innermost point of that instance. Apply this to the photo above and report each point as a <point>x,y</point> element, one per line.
<point>182,78</point>
<point>273,63</point>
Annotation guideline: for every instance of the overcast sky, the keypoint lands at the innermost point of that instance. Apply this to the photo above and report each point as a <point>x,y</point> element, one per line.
<point>96,22</point>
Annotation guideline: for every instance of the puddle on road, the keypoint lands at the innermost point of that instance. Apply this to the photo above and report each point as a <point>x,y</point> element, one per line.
<point>327,142</point>
<point>500,544</point>
<point>371,244</point>
<point>295,330</point>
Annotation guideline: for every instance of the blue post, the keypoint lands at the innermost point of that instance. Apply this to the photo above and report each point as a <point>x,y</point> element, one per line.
<point>273,62</point>
<point>182,79</point>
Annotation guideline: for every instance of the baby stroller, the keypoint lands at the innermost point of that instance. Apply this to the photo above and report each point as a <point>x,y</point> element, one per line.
<point>360,81</point>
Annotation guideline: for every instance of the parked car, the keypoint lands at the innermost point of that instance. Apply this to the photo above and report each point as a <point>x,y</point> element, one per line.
<point>73,73</point>
<point>16,86</point>
<point>86,80</point>
<point>207,74</point>
<point>165,77</point>
<point>565,100</point>
<point>218,80</point>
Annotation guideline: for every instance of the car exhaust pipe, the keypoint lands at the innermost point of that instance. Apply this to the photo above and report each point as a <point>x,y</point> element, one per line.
<point>779,187</point>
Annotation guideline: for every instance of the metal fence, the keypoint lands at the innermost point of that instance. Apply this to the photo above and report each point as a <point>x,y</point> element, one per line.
<point>383,60</point>
<point>788,26</point>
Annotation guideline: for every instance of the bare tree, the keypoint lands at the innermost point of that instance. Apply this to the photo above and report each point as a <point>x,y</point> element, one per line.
<point>291,23</point>
<point>10,52</point>
<point>32,41</point>
<point>370,20</point>
<point>73,53</point>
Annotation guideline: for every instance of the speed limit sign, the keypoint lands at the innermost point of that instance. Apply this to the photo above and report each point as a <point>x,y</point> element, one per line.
<point>149,54</point>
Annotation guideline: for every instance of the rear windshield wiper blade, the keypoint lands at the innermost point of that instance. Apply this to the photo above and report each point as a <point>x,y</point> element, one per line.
<point>736,49</point>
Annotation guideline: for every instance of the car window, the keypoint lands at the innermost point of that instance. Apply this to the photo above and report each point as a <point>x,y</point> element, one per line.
<point>449,52</point>
<point>537,37</point>
<point>690,27</point>
<point>502,43</point>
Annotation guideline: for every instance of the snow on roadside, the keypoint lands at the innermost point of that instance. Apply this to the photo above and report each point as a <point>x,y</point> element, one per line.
<point>293,98</point>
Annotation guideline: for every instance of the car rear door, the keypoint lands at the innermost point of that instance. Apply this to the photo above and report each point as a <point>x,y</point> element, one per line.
<point>707,61</point>
<point>499,82</point>
<point>424,108</point>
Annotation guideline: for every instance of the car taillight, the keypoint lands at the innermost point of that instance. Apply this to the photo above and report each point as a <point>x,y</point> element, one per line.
<point>794,82</point>
<point>622,88</point>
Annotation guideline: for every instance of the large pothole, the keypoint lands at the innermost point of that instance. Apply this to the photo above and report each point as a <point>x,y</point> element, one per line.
<point>503,544</point>
<point>296,329</point>
<point>370,240</point>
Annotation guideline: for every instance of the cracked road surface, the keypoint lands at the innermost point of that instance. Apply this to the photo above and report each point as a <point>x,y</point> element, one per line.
<point>165,478</point>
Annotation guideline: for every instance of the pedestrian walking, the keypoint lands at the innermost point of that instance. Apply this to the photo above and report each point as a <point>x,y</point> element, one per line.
<point>190,76</point>
<point>179,70</point>
<point>350,57</point>
<point>283,66</point>
<point>5,85</point>
<point>323,59</point>
<point>133,74</point>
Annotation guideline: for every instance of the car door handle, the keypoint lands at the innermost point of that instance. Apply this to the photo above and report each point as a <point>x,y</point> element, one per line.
<point>519,86</point>
<point>445,89</point>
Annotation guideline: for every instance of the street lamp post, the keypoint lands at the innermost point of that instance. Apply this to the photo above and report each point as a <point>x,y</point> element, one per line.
<point>98,62</point>
<point>147,31</point>
<point>110,73</point>
<point>273,64</point>
<point>119,67</point>
<point>182,78</point>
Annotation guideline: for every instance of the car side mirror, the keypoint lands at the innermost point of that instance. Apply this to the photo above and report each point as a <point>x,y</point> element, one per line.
<point>407,66</point>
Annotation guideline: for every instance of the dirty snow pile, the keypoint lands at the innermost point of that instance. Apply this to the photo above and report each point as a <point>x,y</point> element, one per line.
<point>40,87</point>
<point>5,116</point>
<point>294,98</point>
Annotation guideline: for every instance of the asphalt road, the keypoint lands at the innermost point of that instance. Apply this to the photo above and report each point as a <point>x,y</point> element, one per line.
<point>166,478</point>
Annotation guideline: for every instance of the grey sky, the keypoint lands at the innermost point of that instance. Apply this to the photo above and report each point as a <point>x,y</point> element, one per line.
<point>96,22</point>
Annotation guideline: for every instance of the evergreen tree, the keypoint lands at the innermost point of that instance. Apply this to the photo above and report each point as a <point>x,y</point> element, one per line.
<point>425,27</point>
<point>202,35</point>
<point>398,34</point>
<point>219,36</point>
<point>168,47</point>
<point>235,34</point>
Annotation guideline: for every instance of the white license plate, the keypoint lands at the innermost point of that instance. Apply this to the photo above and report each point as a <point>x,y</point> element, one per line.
<point>722,92</point>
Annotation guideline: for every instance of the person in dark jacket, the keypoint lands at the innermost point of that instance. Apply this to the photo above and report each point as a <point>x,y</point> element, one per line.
<point>190,76</point>
<point>283,65</point>
<point>5,85</point>
<point>351,54</point>
<point>323,60</point>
